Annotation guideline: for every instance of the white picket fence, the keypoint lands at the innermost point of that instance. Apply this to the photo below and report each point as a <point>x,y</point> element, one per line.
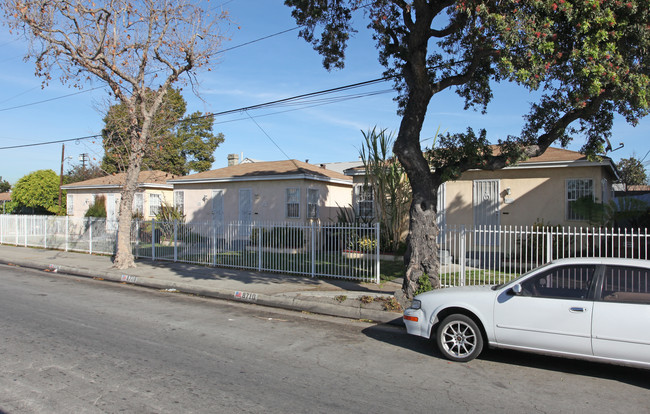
<point>468,255</point>
<point>313,249</point>
<point>491,255</point>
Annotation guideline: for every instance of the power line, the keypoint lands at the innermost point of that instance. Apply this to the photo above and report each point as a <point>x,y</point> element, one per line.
<point>51,99</point>
<point>99,87</point>
<point>243,109</point>
<point>50,142</point>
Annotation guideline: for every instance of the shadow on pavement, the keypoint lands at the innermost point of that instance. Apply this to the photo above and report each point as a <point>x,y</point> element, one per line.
<point>631,376</point>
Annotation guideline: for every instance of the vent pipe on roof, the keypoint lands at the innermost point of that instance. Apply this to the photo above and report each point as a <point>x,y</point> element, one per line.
<point>233,159</point>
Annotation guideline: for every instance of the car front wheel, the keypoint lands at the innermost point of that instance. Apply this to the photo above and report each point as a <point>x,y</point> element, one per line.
<point>459,338</point>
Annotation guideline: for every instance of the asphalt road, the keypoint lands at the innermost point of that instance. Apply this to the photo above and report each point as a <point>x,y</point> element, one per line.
<point>71,345</point>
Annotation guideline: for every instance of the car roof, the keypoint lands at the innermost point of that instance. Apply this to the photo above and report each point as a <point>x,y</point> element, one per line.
<point>604,260</point>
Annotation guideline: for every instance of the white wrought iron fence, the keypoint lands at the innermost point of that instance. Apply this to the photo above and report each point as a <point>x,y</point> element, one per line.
<point>315,249</point>
<point>496,254</point>
<point>468,255</point>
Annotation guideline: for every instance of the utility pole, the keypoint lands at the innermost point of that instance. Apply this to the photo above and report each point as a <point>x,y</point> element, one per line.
<point>84,158</point>
<point>61,176</point>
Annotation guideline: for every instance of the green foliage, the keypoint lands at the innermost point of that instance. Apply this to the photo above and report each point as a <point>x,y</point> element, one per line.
<point>4,185</point>
<point>588,61</point>
<point>38,193</point>
<point>424,284</point>
<point>166,219</point>
<point>361,244</point>
<point>178,145</point>
<point>391,190</point>
<point>589,210</point>
<point>632,172</point>
<point>349,215</point>
<point>98,208</point>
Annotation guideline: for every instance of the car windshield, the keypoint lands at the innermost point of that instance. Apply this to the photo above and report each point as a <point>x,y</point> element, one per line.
<point>500,285</point>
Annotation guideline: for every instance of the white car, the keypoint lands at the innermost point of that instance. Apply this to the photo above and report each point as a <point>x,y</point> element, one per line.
<point>588,308</point>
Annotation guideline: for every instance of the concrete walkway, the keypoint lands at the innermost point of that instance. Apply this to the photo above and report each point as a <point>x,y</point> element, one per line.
<point>324,296</point>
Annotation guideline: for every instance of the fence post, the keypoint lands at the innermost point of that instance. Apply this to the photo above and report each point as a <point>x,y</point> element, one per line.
<point>462,251</point>
<point>313,250</point>
<point>259,247</point>
<point>214,242</point>
<point>67,231</point>
<point>90,241</point>
<point>377,263</point>
<point>175,240</point>
<point>25,228</point>
<point>153,239</point>
<point>549,245</point>
<point>45,233</point>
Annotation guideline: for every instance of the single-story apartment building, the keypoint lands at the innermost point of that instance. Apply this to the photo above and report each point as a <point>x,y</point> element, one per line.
<point>539,189</point>
<point>274,191</point>
<point>152,192</point>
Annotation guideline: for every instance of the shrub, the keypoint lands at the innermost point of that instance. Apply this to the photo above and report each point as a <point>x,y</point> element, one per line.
<point>424,284</point>
<point>98,208</point>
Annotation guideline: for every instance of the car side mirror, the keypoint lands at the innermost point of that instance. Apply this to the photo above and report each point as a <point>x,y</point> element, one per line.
<point>516,289</point>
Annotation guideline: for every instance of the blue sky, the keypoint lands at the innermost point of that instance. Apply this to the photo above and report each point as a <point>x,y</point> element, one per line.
<point>271,69</point>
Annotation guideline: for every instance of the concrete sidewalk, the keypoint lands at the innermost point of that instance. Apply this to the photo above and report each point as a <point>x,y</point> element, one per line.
<point>324,296</point>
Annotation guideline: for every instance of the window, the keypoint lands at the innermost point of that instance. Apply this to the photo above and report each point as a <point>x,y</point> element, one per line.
<point>179,201</point>
<point>577,189</point>
<point>626,284</point>
<point>154,204</point>
<point>70,204</point>
<point>293,202</point>
<point>138,204</point>
<point>365,201</point>
<point>564,282</point>
<point>312,203</point>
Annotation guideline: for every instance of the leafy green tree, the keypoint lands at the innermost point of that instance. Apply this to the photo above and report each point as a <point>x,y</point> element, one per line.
<point>37,193</point>
<point>588,59</point>
<point>178,145</point>
<point>631,172</point>
<point>4,185</point>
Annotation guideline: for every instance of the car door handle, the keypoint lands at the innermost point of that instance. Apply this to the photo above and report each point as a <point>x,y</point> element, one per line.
<point>576,309</point>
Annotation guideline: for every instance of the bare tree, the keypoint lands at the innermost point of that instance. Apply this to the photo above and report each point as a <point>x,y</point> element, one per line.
<point>136,47</point>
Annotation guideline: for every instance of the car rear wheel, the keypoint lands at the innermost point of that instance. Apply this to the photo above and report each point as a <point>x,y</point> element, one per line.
<point>459,338</point>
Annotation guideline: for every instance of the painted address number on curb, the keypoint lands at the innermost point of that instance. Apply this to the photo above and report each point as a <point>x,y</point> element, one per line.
<point>129,279</point>
<point>246,295</point>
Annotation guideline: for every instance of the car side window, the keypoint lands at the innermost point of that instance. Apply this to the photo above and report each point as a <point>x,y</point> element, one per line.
<point>626,284</point>
<point>563,282</point>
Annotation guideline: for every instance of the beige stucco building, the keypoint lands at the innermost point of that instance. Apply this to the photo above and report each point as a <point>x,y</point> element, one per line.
<point>276,191</point>
<point>152,192</point>
<point>538,190</point>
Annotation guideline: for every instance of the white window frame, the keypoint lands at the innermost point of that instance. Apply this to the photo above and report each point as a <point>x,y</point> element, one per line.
<point>179,201</point>
<point>577,188</point>
<point>313,195</point>
<point>155,204</point>
<point>293,202</point>
<point>138,203</point>
<point>69,202</point>
<point>365,201</point>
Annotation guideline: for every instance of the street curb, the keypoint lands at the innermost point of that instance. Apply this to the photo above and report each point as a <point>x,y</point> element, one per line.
<point>234,296</point>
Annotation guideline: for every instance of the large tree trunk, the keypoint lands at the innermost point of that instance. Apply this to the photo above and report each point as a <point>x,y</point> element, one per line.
<point>124,255</point>
<point>422,251</point>
<point>421,257</point>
